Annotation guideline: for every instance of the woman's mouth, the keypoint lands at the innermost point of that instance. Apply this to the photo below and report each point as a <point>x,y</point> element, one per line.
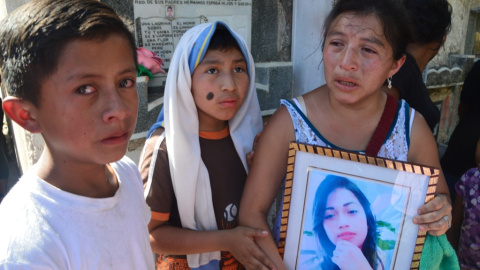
<point>346,236</point>
<point>346,83</point>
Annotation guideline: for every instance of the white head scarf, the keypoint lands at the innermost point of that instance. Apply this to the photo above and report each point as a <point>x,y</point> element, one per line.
<point>190,177</point>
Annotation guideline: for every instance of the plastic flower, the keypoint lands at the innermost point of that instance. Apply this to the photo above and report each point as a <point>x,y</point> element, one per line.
<point>150,60</point>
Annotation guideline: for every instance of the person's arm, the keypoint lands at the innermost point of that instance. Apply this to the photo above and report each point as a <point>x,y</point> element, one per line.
<point>266,176</point>
<point>168,239</point>
<point>239,241</point>
<point>423,150</point>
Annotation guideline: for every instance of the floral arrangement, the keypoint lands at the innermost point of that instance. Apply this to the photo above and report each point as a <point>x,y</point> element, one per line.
<point>149,63</point>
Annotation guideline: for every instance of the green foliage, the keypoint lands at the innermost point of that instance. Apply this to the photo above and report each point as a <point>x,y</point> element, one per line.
<point>386,225</point>
<point>384,244</point>
<point>308,233</point>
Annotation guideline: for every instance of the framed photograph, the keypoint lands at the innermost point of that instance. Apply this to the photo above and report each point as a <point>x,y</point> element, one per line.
<point>342,208</point>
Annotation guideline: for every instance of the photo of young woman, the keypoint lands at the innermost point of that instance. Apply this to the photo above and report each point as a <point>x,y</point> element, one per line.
<point>344,225</point>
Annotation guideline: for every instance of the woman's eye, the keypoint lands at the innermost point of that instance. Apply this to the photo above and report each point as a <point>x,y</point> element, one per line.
<point>328,216</point>
<point>127,83</point>
<point>239,70</point>
<point>352,211</point>
<point>212,71</point>
<point>85,90</point>
<point>335,43</point>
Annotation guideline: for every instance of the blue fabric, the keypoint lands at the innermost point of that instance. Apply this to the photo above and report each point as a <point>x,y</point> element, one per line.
<point>212,265</point>
<point>201,46</point>
<point>196,56</point>
<point>157,124</point>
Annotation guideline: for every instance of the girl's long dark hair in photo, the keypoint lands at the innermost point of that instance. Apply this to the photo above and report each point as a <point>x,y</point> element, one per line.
<point>369,248</point>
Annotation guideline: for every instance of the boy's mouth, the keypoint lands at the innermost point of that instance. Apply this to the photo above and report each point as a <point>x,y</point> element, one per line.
<point>116,138</point>
<point>230,102</point>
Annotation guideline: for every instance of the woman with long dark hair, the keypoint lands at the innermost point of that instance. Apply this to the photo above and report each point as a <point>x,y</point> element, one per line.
<point>344,225</point>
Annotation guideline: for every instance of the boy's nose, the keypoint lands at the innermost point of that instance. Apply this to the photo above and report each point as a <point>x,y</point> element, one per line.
<point>115,105</point>
<point>227,81</point>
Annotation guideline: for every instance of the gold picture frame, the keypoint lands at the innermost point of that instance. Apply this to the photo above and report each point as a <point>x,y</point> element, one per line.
<point>395,188</point>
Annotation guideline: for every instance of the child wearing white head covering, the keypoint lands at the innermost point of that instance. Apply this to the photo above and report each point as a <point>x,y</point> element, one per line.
<point>189,170</point>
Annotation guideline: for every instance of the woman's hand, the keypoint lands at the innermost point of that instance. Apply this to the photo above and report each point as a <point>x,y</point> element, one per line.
<point>348,256</point>
<point>241,243</point>
<point>435,216</point>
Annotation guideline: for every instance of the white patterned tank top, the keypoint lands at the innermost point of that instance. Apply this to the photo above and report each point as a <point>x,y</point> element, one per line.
<point>394,147</point>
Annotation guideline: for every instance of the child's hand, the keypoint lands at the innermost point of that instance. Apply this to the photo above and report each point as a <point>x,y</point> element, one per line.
<point>348,256</point>
<point>251,154</point>
<point>435,216</point>
<point>241,244</point>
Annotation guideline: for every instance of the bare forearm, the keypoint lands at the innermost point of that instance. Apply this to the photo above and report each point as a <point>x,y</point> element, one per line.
<point>238,241</point>
<point>178,241</point>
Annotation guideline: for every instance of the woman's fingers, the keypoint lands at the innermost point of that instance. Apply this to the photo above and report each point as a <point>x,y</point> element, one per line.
<point>434,216</point>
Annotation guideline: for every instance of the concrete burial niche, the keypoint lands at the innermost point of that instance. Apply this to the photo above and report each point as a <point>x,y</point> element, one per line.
<point>158,26</point>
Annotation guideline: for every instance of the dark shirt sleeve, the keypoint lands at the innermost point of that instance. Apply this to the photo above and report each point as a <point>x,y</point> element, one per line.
<point>155,173</point>
<point>471,86</point>
<point>409,82</point>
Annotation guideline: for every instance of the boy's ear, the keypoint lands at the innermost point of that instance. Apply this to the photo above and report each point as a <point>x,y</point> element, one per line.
<point>20,111</point>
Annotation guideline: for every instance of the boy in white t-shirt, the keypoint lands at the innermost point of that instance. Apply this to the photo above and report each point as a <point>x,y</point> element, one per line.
<point>69,68</point>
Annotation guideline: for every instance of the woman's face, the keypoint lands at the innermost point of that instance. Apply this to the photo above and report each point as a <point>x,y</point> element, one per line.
<point>345,218</point>
<point>357,58</point>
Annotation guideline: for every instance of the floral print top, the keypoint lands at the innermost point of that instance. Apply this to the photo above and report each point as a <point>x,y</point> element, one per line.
<point>395,146</point>
<point>469,245</point>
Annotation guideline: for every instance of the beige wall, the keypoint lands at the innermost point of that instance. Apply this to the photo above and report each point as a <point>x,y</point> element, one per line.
<point>455,43</point>
<point>7,6</point>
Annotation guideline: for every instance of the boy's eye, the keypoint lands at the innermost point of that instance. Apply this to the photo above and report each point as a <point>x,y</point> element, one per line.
<point>126,83</point>
<point>85,90</point>
<point>239,70</point>
<point>212,71</point>
<point>368,50</point>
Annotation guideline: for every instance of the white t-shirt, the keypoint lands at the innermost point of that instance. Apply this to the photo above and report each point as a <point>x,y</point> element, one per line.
<point>43,227</point>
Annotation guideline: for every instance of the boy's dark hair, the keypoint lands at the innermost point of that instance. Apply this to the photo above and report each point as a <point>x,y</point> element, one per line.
<point>223,40</point>
<point>33,37</point>
<point>431,20</point>
<point>391,14</point>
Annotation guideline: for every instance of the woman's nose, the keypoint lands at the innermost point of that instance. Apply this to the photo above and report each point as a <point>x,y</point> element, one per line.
<point>349,60</point>
<point>342,221</point>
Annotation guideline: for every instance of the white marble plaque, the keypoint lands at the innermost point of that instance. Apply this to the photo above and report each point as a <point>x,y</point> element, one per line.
<point>159,24</point>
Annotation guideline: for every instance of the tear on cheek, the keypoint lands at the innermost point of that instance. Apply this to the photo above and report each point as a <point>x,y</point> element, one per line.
<point>210,96</point>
